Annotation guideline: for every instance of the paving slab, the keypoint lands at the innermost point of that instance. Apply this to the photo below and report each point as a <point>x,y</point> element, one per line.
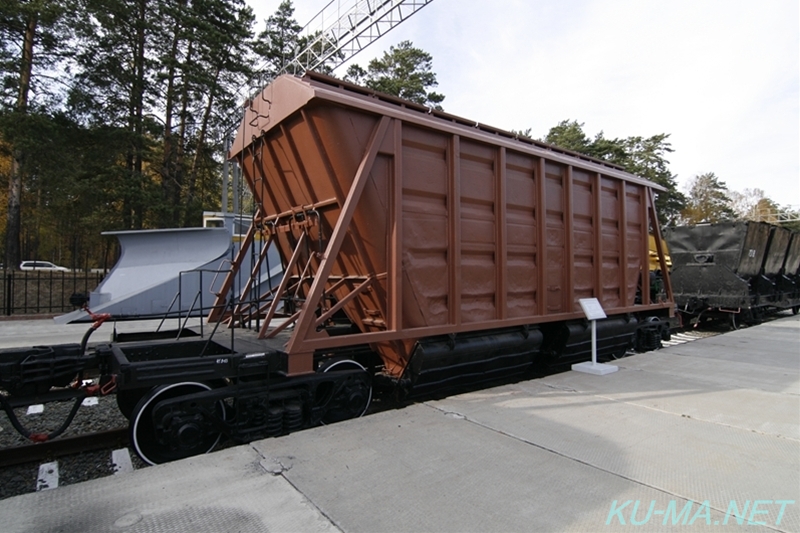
<point>426,469</point>
<point>677,455</point>
<point>700,389</point>
<point>228,491</point>
<point>774,344</point>
<point>679,362</point>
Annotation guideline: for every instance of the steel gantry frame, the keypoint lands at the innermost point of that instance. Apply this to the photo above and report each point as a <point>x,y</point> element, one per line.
<point>338,32</point>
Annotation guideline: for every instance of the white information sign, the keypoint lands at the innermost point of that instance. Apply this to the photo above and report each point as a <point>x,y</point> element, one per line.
<point>594,312</point>
<point>592,308</point>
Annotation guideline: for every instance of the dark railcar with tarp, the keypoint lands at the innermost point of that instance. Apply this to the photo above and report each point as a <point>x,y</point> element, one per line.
<point>737,270</point>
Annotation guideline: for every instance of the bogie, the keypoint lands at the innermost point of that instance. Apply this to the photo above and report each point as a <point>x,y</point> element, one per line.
<point>348,398</point>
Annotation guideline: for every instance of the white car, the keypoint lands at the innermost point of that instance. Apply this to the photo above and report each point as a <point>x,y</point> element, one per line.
<point>41,265</point>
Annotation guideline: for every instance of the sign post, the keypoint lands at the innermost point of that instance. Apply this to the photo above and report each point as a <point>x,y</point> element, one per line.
<point>594,312</point>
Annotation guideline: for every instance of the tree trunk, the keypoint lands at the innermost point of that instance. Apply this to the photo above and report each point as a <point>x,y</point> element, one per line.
<point>183,126</point>
<point>198,154</point>
<point>170,178</point>
<point>14,215</point>
<point>138,95</point>
<point>133,204</point>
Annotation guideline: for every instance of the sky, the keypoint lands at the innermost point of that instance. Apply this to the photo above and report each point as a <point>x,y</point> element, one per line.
<point>720,77</point>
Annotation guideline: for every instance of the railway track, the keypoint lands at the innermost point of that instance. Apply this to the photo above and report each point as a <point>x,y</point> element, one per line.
<point>64,461</point>
<point>689,335</point>
<point>93,446</point>
<point>17,455</point>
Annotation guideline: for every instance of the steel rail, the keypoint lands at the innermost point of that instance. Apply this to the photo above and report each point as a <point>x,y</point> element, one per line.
<point>60,447</point>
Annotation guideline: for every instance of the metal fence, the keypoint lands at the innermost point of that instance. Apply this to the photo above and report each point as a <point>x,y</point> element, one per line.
<point>44,292</point>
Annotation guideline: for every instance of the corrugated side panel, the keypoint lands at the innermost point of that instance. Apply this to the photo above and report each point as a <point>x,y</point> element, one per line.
<point>556,258</point>
<point>776,252</point>
<point>481,252</point>
<point>792,265</point>
<point>583,234</point>
<point>522,285</point>
<point>754,249</point>
<point>424,221</point>
<point>611,250</point>
<point>636,251</point>
<point>485,268</point>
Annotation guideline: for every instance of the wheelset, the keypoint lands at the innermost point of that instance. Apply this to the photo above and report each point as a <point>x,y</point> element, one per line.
<point>352,397</point>
<point>183,435</point>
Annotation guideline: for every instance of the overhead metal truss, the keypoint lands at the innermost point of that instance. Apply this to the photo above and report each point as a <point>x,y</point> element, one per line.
<point>775,216</point>
<point>343,28</point>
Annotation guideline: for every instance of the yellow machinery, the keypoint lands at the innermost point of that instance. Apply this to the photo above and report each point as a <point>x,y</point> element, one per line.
<point>654,262</point>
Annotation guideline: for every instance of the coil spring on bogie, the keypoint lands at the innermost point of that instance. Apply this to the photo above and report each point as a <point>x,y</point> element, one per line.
<point>292,416</point>
<point>648,339</point>
<point>274,423</point>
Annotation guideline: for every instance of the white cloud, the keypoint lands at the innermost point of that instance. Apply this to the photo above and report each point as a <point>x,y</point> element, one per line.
<point>720,76</point>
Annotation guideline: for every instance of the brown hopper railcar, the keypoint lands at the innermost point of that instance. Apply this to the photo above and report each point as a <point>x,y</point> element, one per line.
<point>440,239</point>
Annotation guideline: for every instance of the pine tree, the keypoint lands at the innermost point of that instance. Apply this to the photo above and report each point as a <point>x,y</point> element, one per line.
<point>222,55</point>
<point>278,43</point>
<point>642,156</point>
<point>205,63</point>
<point>708,200</point>
<point>115,86</point>
<point>403,71</point>
<point>32,39</point>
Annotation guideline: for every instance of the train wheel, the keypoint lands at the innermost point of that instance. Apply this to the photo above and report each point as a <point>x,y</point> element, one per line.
<point>192,438</point>
<point>619,354</point>
<point>353,397</point>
